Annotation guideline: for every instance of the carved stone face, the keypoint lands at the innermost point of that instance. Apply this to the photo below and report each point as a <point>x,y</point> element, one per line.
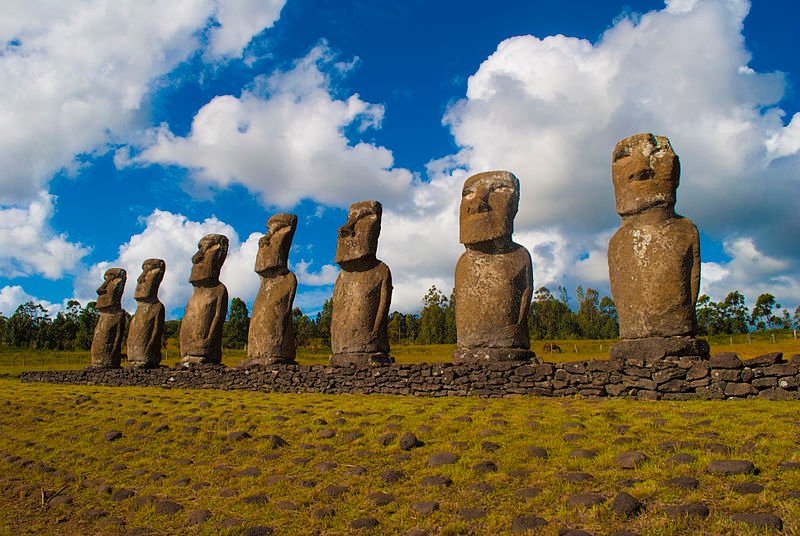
<point>489,202</point>
<point>109,295</point>
<point>273,247</point>
<point>207,262</point>
<point>358,238</point>
<point>645,171</point>
<point>148,283</point>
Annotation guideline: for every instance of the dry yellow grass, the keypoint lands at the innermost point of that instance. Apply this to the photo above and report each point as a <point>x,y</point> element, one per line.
<point>175,445</point>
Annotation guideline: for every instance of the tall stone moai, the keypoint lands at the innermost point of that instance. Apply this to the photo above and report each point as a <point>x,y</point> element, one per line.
<point>204,316</point>
<point>271,336</point>
<point>494,276</point>
<point>147,325</point>
<point>654,257</point>
<point>110,328</point>
<point>362,293</point>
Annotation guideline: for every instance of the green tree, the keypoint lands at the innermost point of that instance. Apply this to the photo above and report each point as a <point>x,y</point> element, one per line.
<point>87,320</point>
<point>610,319</point>
<point>786,319</point>
<point>733,314</point>
<point>589,320</point>
<point>172,330</point>
<point>762,316</point>
<point>412,327</point>
<point>27,327</point>
<point>324,322</point>
<point>450,319</point>
<point>396,327</point>
<point>304,328</point>
<point>705,311</point>
<point>234,331</point>
<point>551,318</point>
<point>432,327</point>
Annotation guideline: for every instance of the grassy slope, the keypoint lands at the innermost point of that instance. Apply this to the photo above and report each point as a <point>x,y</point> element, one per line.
<point>60,428</point>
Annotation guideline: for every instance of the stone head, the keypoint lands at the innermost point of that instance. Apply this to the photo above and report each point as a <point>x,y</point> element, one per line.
<point>358,238</point>
<point>273,247</point>
<point>489,202</point>
<point>148,283</point>
<point>207,262</point>
<point>109,295</point>
<point>645,171</point>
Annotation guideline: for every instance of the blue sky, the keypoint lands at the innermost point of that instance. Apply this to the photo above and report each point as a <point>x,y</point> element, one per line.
<point>133,128</point>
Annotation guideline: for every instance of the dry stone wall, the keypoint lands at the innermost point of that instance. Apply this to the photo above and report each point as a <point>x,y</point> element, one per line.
<point>720,377</point>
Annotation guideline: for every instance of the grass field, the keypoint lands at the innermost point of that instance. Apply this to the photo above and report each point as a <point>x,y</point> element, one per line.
<point>93,460</point>
<point>13,361</point>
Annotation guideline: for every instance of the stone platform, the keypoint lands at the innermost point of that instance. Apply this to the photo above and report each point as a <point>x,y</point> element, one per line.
<point>673,378</point>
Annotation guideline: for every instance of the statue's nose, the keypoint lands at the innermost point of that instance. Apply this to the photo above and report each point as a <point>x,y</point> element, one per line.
<point>482,194</point>
<point>346,231</point>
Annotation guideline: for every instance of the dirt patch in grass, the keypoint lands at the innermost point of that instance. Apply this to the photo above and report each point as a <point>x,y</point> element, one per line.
<point>93,460</point>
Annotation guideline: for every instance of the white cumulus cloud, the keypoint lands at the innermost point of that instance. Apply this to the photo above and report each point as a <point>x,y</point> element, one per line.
<point>752,273</point>
<point>13,296</point>
<point>284,139</point>
<point>29,246</point>
<point>76,75</point>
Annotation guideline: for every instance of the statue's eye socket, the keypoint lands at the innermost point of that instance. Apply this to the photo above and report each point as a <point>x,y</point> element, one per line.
<point>468,193</point>
<point>621,154</point>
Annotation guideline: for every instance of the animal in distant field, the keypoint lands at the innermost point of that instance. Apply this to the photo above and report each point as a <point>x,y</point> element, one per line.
<point>551,347</point>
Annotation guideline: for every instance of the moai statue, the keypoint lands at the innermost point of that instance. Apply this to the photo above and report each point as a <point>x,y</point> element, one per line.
<point>363,291</point>
<point>107,339</point>
<point>654,257</point>
<point>494,276</point>
<point>204,316</point>
<point>271,336</point>
<point>147,325</point>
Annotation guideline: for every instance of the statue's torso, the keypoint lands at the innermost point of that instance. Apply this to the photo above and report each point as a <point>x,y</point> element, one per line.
<point>357,302</point>
<point>107,339</point>
<point>201,330</point>
<point>145,333</point>
<point>650,270</point>
<point>490,289</point>
<point>271,332</point>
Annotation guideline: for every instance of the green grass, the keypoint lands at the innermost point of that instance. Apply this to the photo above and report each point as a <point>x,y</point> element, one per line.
<point>62,428</point>
<point>13,361</point>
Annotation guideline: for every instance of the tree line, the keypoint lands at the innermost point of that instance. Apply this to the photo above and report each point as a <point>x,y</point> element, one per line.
<point>731,315</point>
<point>552,317</point>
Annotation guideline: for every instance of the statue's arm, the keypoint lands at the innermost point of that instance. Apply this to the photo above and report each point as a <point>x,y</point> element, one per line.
<point>287,318</point>
<point>695,266</point>
<point>525,303</point>
<point>158,331</point>
<point>221,314</point>
<point>385,301</point>
<point>120,334</point>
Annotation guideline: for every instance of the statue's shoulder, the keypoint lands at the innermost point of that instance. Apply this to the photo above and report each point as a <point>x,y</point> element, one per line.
<point>383,270</point>
<point>220,291</point>
<point>521,253</point>
<point>620,234</point>
<point>684,223</point>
